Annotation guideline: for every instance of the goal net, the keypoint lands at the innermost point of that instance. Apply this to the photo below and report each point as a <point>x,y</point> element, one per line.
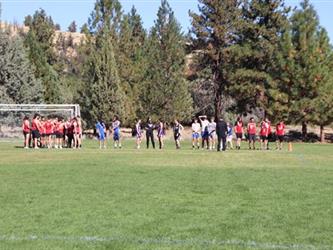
<point>11,116</point>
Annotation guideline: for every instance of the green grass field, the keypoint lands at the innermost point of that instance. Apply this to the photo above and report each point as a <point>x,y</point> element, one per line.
<point>129,199</point>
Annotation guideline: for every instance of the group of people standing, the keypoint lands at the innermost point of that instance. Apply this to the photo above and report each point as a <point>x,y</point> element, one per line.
<point>52,132</point>
<point>264,131</point>
<point>55,132</point>
<point>138,131</point>
<point>222,131</point>
<point>206,133</point>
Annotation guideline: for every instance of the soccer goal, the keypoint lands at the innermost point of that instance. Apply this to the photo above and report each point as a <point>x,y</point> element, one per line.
<point>11,115</point>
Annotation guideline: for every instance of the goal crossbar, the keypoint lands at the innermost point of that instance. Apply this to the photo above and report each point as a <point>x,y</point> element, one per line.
<point>73,108</point>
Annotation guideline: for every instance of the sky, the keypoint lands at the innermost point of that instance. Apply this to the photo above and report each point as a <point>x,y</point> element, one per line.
<point>64,12</point>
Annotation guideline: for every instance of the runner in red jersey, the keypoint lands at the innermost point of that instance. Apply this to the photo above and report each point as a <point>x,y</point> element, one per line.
<point>42,131</point>
<point>59,132</point>
<point>49,127</point>
<point>251,131</point>
<point>280,131</point>
<point>239,132</point>
<point>26,131</point>
<point>264,126</point>
<point>36,127</point>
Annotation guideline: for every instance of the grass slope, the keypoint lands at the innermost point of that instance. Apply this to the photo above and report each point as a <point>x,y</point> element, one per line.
<point>129,199</point>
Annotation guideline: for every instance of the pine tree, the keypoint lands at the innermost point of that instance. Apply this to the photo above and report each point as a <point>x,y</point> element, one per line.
<point>28,21</point>
<point>39,42</point>
<point>284,91</point>
<point>254,54</point>
<point>215,31</point>
<point>107,15</point>
<point>57,27</point>
<point>72,27</point>
<point>166,91</point>
<point>17,81</point>
<point>322,104</point>
<point>305,73</point>
<point>84,29</point>
<point>44,29</point>
<point>102,93</point>
<point>103,96</point>
<point>43,70</point>
<point>131,61</point>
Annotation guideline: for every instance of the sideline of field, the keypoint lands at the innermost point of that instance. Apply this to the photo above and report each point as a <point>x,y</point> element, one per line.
<point>165,242</point>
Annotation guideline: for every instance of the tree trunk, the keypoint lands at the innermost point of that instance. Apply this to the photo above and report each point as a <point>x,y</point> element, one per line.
<point>218,105</point>
<point>322,134</point>
<point>304,131</point>
<point>218,94</point>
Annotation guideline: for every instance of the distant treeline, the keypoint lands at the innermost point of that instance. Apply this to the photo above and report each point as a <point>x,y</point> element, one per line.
<point>243,56</point>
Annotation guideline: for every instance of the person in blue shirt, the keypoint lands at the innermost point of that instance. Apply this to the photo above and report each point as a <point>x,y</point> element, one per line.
<point>116,132</point>
<point>100,130</point>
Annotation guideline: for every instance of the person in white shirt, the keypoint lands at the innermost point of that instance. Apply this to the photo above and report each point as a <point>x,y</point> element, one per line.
<point>196,128</point>
<point>204,131</point>
<point>212,133</point>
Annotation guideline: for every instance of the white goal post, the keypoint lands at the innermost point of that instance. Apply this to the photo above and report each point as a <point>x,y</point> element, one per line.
<point>11,115</point>
<point>74,109</point>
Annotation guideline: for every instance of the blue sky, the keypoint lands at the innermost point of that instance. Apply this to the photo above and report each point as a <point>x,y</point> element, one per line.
<point>65,11</point>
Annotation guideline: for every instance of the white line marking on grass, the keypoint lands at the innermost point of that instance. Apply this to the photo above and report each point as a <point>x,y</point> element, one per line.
<point>164,241</point>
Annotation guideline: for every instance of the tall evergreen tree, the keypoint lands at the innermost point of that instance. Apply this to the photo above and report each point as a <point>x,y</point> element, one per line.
<point>215,30</point>
<point>43,70</point>
<point>44,29</point>
<point>166,91</point>
<point>131,61</point>
<point>107,15</point>
<point>304,76</point>
<point>322,114</point>
<point>103,95</point>
<point>28,21</point>
<point>39,42</point>
<point>72,27</point>
<point>253,62</point>
<point>17,81</point>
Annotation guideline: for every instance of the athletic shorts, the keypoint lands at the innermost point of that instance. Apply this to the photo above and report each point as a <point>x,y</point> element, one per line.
<point>26,133</point>
<point>229,138</point>
<point>78,135</point>
<point>239,135</point>
<point>212,135</point>
<point>59,135</point>
<point>35,134</point>
<point>176,136</point>
<point>252,137</point>
<point>101,136</point>
<point>116,136</point>
<point>195,135</point>
<point>280,137</point>
<point>263,137</point>
<point>205,135</point>
<point>139,136</point>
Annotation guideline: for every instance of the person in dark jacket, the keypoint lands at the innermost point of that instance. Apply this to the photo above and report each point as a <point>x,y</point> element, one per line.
<point>221,131</point>
<point>150,132</point>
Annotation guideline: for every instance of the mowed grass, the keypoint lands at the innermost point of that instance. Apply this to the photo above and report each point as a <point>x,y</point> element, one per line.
<point>166,199</point>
